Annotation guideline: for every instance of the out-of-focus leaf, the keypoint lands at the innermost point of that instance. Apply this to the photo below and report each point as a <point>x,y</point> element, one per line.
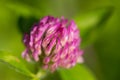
<point>79,72</point>
<point>25,23</point>
<point>19,8</point>
<point>89,22</point>
<point>24,9</point>
<point>14,63</point>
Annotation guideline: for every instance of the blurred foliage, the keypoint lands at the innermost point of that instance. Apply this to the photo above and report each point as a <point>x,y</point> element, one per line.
<point>79,72</point>
<point>102,58</point>
<point>90,22</point>
<point>15,63</point>
<point>25,23</point>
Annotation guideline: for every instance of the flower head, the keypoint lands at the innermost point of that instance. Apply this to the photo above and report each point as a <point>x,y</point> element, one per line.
<point>54,42</point>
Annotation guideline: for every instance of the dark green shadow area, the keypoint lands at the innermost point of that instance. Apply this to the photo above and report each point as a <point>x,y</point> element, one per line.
<point>25,23</point>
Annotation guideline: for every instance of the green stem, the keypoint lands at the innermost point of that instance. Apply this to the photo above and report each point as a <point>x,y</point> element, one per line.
<point>39,75</point>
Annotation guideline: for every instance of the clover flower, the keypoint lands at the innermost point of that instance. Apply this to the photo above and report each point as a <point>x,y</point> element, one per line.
<point>55,42</point>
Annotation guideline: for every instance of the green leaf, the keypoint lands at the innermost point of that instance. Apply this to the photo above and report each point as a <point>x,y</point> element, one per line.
<point>21,8</point>
<point>25,23</point>
<point>79,72</point>
<point>15,63</point>
<point>89,22</point>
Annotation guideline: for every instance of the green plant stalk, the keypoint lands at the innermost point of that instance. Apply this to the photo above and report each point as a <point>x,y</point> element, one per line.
<point>40,74</point>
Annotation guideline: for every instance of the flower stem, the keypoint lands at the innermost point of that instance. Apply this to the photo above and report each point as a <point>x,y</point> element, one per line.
<point>39,75</point>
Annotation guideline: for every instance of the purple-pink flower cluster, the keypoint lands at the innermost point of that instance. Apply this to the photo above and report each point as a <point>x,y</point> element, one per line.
<point>55,42</point>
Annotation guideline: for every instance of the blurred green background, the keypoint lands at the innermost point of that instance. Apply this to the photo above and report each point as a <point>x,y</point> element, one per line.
<point>102,57</point>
